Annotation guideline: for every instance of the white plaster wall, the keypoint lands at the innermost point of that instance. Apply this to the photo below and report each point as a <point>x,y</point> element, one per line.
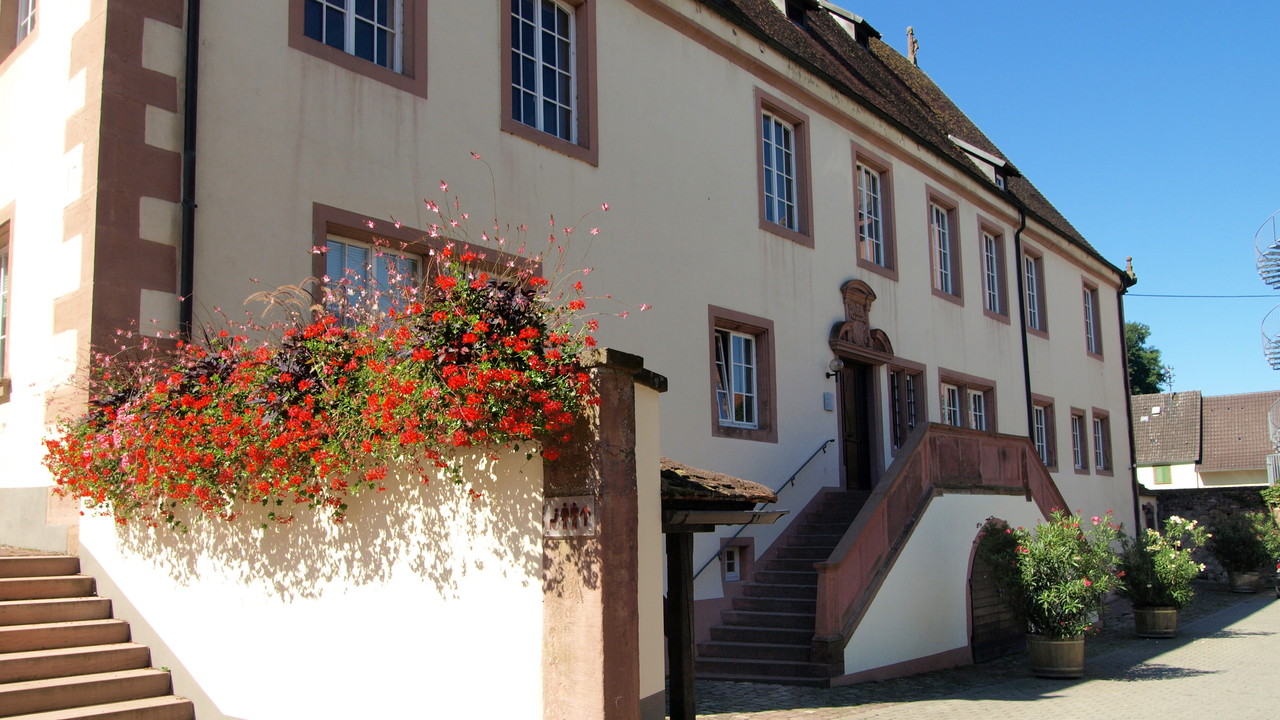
<point>1233,478</point>
<point>413,608</point>
<point>921,608</point>
<point>40,177</point>
<point>1183,477</point>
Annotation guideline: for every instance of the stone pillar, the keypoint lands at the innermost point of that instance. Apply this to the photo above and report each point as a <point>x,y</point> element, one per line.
<point>590,657</point>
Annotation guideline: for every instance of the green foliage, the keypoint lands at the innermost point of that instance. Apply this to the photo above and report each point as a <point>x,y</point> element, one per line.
<point>1147,374</point>
<point>1240,540</point>
<point>1055,578</point>
<point>1271,496</point>
<point>1156,569</point>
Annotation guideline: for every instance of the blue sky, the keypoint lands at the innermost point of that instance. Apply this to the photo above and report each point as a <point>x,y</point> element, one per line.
<point>1153,127</point>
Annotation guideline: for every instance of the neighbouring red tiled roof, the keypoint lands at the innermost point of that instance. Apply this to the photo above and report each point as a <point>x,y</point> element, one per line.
<point>1166,428</point>
<point>1236,433</point>
<point>683,483</point>
<point>889,85</point>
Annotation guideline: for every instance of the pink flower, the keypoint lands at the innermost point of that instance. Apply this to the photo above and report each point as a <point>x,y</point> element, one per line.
<point>1088,583</point>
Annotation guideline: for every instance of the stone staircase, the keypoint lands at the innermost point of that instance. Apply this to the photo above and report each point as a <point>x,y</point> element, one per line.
<point>766,635</point>
<point>63,656</point>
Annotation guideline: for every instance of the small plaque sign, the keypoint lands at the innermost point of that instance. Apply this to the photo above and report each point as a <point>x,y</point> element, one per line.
<point>569,516</point>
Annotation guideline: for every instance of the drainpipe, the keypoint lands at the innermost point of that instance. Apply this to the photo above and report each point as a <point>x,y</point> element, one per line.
<point>1127,281</point>
<point>1022,318</point>
<point>186,252</point>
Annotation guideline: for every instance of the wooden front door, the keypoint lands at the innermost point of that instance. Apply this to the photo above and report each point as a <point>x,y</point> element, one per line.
<point>857,419</point>
<point>996,631</point>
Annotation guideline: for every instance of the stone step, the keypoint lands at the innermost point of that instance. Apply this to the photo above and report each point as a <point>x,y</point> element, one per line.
<point>64,662</point>
<point>47,610</point>
<point>764,590</point>
<point>776,605</point>
<point>76,633</point>
<point>38,565</point>
<point>771,577</point>
<point>792,565</point>
<point>36,696</point>
<point>754,651</point>
<point>825,540</point>
<point>780,636</point>
<point>823,528</point>
<point>54,586</point>
<point>759,668</point>
<point>813,554</point>
<point>166,707</point>
<point>838,517</point>
<point>753,619</point>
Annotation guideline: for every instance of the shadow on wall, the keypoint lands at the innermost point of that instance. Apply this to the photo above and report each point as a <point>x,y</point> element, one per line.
<point>434,531</point>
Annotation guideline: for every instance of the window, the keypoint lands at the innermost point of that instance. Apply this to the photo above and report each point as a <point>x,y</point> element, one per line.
<point>548,76</point>
<point>742,381</point>
<point>903,387</point>
<point>1163,474</point>
<point>977,410</point>
<point>944,248</point>
<point>731,561</point>
<point>1042,431</point>
<point>5,284</point>
<point>26,18</point>
<point>874,203</point>
<point>951,413</point>
<point>967,401</point>
<point>1079,442</point>
<point>368,29</point>
<point>993,282</point>
<point>1033,286</point>
<point>1092,334</point>
<point>782,146</point>
<point>1101,441</point>
<point>375,38</point>
<point>367,274</point>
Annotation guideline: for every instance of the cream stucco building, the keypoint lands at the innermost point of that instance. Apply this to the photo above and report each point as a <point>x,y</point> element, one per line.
<point>837,265</point>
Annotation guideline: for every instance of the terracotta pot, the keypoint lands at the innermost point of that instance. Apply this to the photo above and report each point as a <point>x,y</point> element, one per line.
<point>1155,622</point>
<point>1243,581</point>
<point>1056,658</point>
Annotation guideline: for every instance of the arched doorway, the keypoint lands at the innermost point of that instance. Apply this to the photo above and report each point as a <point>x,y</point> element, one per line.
<point>994,630</point>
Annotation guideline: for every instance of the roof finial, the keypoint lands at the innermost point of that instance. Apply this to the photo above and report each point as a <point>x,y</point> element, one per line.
<point>1128,268</point>
<point>912,46</point>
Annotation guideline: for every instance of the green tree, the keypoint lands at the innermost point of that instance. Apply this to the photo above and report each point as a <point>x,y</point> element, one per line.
<point>1147,374</point>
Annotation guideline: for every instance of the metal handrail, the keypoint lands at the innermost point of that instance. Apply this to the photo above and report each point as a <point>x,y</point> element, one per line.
<point>790,481</point>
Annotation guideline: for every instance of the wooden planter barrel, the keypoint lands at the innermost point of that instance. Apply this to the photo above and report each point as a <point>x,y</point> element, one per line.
<point>1056,658</point>
<point>1155,622</point>
<point>1243,581</point>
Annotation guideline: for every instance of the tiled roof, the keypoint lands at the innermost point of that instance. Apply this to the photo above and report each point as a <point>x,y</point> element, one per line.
<point>1166,428</point>
<point>879,78</point>
<point>1236,434</point>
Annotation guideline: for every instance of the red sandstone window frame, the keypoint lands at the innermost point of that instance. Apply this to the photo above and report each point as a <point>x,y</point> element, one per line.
<point>1104,462</point>
<point>586,146</point>
<point>908,400</point>
<point>10,43</point>
<point>412,77</point>
<point>1034,289</point>
<point>864,158</point>
<point>948,207</point>
<point>1000,289</point>
<point>1091,306</point>
<point>1080,432</point>
<point>969,385</point>
<point>1045,405</point>
<point>761,329</point>
<point>766,104</point>
<point>6,301</point>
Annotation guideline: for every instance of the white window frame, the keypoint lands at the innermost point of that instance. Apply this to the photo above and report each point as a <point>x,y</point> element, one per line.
<point>871,215</point>
<point>977,409</point>
<point>781,173</point>
<point>1040,420</point>
<point>1031,270</point>
<point>1093,340</point>
<point>952,412</point>
<point>991,273</point>
<point>26,18</point>
<point>737,372</point>
<point>902,399</point>
<point>940,231</point>
<point>1100,459</point>
<point>1077,442</point>
<point>347,10</point>
<point>731,560</point>
<point>6,280</point>
<point>552,114</point>
<point>372,276</point>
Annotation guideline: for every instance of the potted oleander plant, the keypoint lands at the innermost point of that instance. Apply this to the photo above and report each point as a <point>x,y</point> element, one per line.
<point>1237,543</point>
<point>1155,573</point>
<point>1055,578</point>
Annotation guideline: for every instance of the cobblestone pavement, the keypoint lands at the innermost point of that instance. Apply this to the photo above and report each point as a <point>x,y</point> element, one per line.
<point>1224,660</point>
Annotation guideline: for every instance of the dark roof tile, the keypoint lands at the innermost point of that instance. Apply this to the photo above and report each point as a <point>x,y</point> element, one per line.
<point>1236,433</point>
<point>1166,428</point>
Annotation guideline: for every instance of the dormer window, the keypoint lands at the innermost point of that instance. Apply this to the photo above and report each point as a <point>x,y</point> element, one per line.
<point>1000,183</point>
